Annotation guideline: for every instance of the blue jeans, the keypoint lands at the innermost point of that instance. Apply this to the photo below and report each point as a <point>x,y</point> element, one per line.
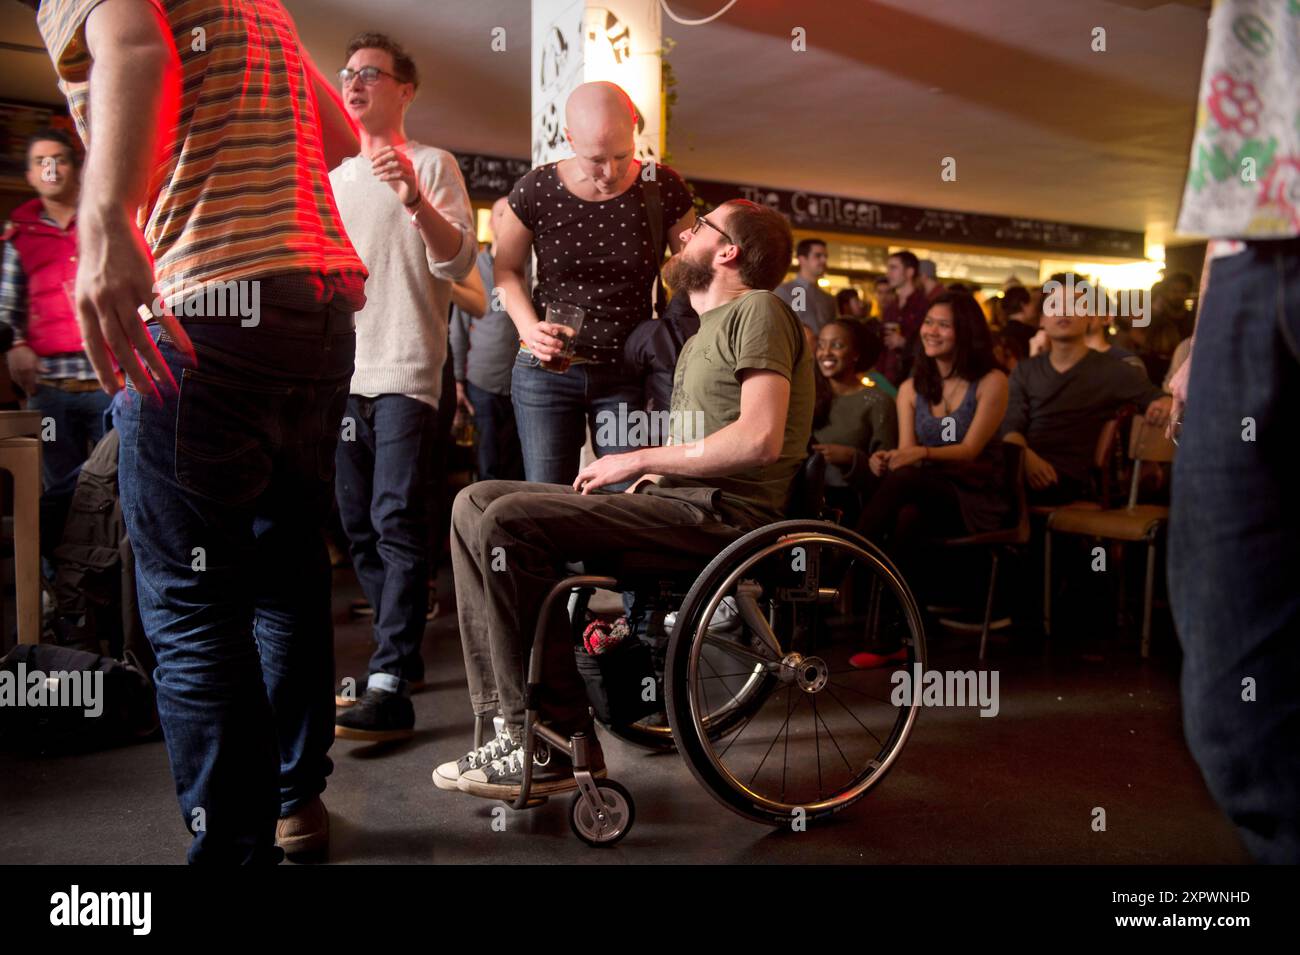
<point>383,503</point>
<point>225,487</point>
<point>553,412</point>
<point>1235,527</point>
<point>78,420</point>
<point>499,456</point>
<point>78,426</point>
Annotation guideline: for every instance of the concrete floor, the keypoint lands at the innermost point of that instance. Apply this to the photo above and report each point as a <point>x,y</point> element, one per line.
<point>1082,725</point>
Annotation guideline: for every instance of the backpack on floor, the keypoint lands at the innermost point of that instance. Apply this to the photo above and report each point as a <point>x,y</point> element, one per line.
<point>60,700</point>
<point>94,578</point>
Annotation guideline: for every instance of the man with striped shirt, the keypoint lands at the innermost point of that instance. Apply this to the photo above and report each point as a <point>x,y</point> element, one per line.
<point>206,196</point>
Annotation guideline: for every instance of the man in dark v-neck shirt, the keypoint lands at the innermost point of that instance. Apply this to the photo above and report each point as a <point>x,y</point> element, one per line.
<point>1060,400</point>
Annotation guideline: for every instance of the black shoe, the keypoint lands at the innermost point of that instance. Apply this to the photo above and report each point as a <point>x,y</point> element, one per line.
<point>552,773</point>
<point>378,716</point>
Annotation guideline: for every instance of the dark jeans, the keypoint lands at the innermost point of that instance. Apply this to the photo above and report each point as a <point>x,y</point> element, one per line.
<point>553,412</point>
<point>510,542</point>
<point>78,425</point>
<point>225,488</point>
<point>382,492</point>
<point>78,419</point>
<point>499,455</point>
<point>1234,529</point>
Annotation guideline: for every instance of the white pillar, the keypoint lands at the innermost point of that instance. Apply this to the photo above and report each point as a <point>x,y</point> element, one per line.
<point>578,41</point>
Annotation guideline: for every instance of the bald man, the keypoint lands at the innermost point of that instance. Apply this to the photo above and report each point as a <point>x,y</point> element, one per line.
<point>588,218</point>
<point>483,348</point>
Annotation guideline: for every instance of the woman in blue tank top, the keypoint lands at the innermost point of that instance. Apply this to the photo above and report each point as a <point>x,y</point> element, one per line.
<point>945,478</point>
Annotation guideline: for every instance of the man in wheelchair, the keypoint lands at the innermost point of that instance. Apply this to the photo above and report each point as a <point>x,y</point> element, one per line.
<point>742,412</point>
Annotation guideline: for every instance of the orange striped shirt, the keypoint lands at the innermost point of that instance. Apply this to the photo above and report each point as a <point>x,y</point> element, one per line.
<point>244,192</point>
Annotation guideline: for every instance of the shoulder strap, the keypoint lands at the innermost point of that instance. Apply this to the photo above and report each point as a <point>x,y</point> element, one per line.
<point>654,210</point>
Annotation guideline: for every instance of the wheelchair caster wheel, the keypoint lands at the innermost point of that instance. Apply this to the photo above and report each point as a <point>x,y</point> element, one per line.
<point>611,824</point>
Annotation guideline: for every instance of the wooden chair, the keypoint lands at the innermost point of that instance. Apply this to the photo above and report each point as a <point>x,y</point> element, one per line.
<point>1103,458</point>
<point>1015,533</point>
<point>1132,523</point>
<point>20,455</point>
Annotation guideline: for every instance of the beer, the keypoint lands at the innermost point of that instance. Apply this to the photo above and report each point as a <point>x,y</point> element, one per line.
<point>570,318</point>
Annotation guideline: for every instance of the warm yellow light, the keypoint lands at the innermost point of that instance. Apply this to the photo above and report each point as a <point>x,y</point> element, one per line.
<point>824,282</point>
<point>482,224</point>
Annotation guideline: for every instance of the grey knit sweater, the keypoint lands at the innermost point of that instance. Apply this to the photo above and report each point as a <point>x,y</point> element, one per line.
<point>402,331</point>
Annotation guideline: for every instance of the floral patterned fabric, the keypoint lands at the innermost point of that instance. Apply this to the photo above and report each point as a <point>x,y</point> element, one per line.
<point>1243,180</point>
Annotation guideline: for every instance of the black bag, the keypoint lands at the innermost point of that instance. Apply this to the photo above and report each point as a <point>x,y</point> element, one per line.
<point>616,681</point>
<point>94,578</point>
<point>102,702</point>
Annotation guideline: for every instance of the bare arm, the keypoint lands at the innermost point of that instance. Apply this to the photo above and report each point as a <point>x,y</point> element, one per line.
<point>469,295</point>
<point>906,415</point>
<point>514,244</point>
<point>134,85</point>
<point>991,405</point>
<point>755,438</point>
<point>338,135</point>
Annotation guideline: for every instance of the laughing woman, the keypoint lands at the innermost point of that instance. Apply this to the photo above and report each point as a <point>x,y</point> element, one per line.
<point>859,419</point>
<point>945,478</point>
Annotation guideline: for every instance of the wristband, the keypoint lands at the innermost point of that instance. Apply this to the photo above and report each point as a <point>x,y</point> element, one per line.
<point>419,197</point>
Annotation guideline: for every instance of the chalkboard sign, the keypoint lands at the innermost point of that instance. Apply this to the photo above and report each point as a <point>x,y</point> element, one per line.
<point>808,210</point>
<point>489,177</point>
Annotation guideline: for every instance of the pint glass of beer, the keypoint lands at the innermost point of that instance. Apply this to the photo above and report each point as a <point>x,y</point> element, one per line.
<point>571,317</point>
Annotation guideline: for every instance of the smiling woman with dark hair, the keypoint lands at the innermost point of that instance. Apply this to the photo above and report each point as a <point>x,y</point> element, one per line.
<point>945,479</point>
<point>859,417</point>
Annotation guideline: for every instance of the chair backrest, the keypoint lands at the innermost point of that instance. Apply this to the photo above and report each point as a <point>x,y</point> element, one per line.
<point>808,489</point>
<point>1146,443</point>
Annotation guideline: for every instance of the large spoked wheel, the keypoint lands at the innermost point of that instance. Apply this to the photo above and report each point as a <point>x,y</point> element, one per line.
<point>817,731</point>
<point>727,711</point>
<point>611,823</point>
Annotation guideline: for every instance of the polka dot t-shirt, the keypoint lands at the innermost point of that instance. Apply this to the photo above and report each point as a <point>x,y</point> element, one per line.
<point>596,254</point>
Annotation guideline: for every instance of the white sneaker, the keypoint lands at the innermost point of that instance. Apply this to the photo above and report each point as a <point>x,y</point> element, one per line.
<point>448,775</point>
<point>726,619</point>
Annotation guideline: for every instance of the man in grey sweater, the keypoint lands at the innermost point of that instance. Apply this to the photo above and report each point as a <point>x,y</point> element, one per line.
<point>407,214</point>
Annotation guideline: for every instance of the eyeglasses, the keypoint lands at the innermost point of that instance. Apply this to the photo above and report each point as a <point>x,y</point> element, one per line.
<point>369,75</point>
<point>700,220</point>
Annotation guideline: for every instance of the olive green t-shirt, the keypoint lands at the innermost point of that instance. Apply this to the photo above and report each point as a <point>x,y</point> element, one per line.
<point>755,331</point>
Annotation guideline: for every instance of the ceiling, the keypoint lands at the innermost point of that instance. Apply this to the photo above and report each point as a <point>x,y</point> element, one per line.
<point>1039,124</point>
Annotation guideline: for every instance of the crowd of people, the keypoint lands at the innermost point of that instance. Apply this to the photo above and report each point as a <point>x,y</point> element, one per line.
<point>240,438</point>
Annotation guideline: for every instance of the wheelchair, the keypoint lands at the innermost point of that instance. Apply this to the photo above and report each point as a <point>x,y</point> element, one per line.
<point>758,695</point>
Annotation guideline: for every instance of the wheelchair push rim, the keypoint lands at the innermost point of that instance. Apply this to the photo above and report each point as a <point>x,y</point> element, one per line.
<point>816,688</point>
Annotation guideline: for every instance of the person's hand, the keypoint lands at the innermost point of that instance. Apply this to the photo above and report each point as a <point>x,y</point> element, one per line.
<point>1157,412</point>
<point>610,469</point>
<point>906,457</point>
<point>462,400</point>
<point>894,340</point>
<point>394,167</point>
<point>1178,385</point>
<point>544,339</point>
<point>841,455</point>
<point>1038,344</point>
<point>24,366</point>
<point>1038,472</point>
<point>114,281</point>
<point>879,463</point>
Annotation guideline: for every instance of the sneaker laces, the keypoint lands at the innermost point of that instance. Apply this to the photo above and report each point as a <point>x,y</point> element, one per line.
<point>490,751</point>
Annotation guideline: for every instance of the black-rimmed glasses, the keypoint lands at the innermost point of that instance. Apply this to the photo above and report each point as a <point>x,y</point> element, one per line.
<point>700,220</point>
<point>369,75</point>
